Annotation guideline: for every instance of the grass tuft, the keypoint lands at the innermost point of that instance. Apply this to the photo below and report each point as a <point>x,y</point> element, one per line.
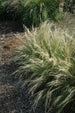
<point>47,62</point>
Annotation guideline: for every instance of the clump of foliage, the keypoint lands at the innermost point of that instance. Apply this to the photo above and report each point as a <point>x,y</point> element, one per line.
<point>36,11</point>
<point>47,62</point>
<point>33,12</point>
<point>2,9</point>
<point>9,10</point>
<point>69,6</point>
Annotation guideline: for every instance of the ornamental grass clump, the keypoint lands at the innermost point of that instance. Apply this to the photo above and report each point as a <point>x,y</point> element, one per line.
<point>47,62</point>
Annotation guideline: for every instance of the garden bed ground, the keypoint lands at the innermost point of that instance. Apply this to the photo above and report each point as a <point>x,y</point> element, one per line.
<point>13,97</point>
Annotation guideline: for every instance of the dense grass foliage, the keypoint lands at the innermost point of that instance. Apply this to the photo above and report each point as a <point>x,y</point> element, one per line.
<point>36,11</point>
<point>33,12</point>
<point>69,6</point>
<point>47,62</point>
<point>9,10</point>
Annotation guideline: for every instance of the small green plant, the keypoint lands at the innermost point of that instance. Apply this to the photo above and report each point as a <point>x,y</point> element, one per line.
<point>47,62</point>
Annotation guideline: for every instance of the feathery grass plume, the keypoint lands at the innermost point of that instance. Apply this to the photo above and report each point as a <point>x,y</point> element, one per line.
<point>47,61</point>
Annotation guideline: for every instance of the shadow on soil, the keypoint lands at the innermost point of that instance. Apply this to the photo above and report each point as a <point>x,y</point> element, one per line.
<point>11,26</point>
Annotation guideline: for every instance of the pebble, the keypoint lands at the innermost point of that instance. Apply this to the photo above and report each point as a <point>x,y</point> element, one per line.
<point>2,41</point>
<point>3,36</point>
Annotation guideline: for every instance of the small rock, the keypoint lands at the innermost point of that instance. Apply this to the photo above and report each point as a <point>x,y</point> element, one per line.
<point>3,36</point>
<point>1,39</point>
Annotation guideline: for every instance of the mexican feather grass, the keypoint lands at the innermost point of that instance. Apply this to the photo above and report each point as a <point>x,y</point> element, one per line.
<point>47,62</point>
